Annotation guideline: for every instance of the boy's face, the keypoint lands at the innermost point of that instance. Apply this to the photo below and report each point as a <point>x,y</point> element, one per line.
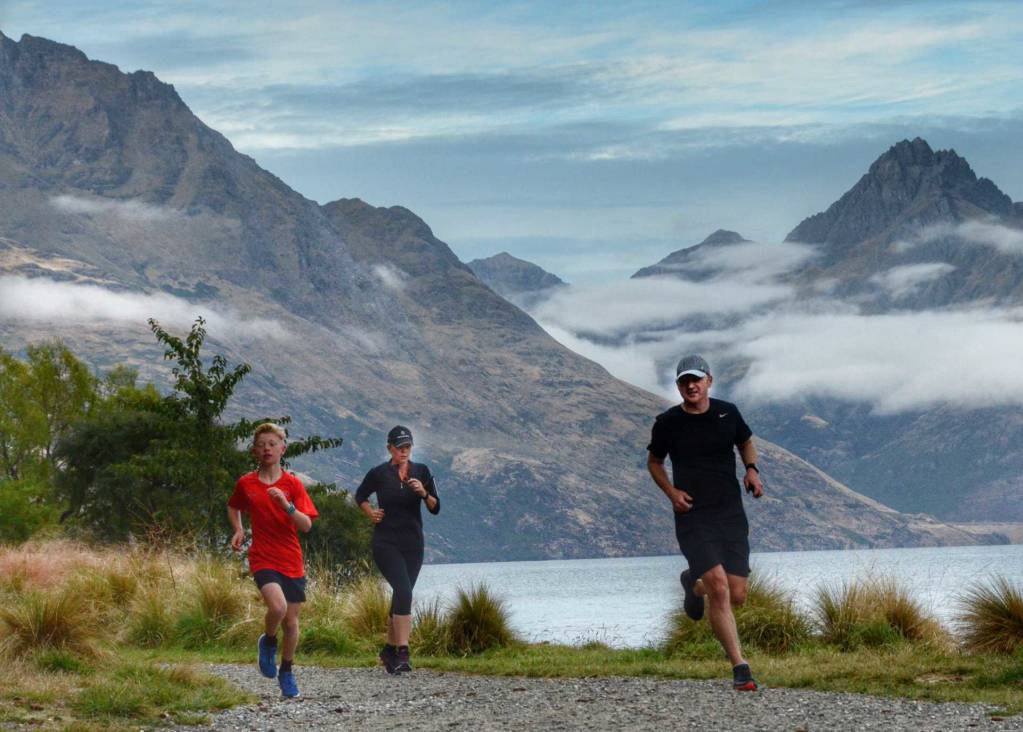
<point>268,449</point>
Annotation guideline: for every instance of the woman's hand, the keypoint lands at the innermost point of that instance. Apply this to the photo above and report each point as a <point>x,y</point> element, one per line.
<point>417,487</point>
<point>237,540</point>
<point>376,515</point>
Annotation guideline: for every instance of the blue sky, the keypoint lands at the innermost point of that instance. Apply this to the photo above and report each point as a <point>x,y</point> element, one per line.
<point>592,138</point>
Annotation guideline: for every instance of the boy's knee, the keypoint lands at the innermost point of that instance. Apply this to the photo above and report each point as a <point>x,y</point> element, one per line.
<point>290,625</point>
<point>277,610</point>
<point>738,597</point>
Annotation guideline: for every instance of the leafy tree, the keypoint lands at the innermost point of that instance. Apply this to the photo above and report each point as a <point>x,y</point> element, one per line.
<point>22,422</point>
<point>141,462</point>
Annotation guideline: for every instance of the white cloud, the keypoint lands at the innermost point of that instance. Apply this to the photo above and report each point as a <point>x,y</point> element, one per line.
<point>1005,239</point>
<point>129,210</point>
<point>895,362</point>
<point>760,262</point>
<point>908,278</point>
<point>650,302</point>
<point>391,277</point>
<point>44,300</point>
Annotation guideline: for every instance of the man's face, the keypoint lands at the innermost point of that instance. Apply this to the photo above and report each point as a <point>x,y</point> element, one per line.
<point>694,389</point>
<point>268,448</point>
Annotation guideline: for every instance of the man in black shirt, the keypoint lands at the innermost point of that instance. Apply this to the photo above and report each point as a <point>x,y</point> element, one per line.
<point>701,435</point>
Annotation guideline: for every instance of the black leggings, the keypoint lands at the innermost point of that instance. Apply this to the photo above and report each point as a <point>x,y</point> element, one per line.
<point>399,563</point>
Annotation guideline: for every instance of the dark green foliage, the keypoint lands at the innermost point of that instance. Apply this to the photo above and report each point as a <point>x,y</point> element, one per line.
<point>339,542</point>
<point>24,509</point>
<point>142,464</point>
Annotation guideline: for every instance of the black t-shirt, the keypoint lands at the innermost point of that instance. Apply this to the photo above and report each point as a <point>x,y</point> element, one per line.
<point>400,503</point>
<point>702,451</point>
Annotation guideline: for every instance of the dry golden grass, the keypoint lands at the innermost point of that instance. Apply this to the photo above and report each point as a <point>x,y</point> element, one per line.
<point>367,607</point>
<point>768,621</point>
<point>873,613</point>
<point>431,630</point>
<point>55,619</point>
<point>478,621</point>
<point>991,617</point>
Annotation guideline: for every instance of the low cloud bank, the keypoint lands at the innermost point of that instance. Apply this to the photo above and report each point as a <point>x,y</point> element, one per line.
<point>906,279</point>
<point>129,210</point>
<point>793,348</point>
<point>44,300</point>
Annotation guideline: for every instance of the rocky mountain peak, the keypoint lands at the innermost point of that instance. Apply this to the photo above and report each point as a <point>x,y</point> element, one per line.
<point>723,236</point>
<point>512,277</point>
<point>684,262</point>
<point>909,185</point>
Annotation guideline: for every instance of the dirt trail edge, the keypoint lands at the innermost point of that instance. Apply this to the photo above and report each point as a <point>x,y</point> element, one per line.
<point>368,699</point>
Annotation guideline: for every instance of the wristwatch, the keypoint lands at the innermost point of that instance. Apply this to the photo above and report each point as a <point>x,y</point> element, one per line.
<point>290,509</point>
<point>753,466</point>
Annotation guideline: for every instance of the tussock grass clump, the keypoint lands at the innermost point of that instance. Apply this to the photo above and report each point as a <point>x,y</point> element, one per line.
<point>431,630</point>
<point>872,614</point>
<point>151,619</point>
<point>45,621</point>
<point>219,602</point>
<point>767,621</point>
<point>478,621</point>
<point>367,608</point>
<point>323,622</point>
<point>991,617</point>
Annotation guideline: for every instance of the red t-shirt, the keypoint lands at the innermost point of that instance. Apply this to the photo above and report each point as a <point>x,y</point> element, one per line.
<point>274,537</point>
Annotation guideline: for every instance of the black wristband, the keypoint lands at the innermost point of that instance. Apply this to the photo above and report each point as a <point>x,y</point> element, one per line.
<point>753,466</point>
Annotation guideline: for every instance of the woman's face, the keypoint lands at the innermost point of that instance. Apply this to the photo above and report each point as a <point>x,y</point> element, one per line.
<point>399,455</point>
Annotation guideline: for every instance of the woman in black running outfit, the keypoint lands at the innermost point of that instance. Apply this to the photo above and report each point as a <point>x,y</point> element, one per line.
<point>401,485</point>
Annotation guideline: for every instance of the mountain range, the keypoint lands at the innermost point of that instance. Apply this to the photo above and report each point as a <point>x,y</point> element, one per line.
<point>117,203</point>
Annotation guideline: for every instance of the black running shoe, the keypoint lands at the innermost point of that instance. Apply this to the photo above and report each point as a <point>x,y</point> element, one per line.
<point>389,658</point>
<point>742,678</point>
<point>691,603</point>
<point>403,665</point>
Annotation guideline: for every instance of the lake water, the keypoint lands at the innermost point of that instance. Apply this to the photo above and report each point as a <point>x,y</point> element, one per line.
<point>626,602</point>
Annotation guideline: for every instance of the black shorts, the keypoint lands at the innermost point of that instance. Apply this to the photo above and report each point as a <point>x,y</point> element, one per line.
<point>710,538</point>
<point>293,587</point>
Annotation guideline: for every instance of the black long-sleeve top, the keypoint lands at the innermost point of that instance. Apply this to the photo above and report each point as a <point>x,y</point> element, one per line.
<point>400,503</point>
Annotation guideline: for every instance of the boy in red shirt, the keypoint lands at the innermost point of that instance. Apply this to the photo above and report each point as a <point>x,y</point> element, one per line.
<point>278,506</point>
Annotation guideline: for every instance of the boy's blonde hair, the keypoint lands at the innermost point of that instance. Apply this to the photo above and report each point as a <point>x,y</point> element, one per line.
<point>269,427</point>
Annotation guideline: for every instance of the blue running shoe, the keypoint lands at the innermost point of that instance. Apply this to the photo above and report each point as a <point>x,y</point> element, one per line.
<point>289,689</point>
<point>267,657</point>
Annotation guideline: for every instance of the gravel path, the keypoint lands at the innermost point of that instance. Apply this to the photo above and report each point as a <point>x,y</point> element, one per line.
<point>368,699</point>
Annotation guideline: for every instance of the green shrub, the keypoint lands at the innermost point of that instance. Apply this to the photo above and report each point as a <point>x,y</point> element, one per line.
<point>478,621</point>
<point>991,617</point>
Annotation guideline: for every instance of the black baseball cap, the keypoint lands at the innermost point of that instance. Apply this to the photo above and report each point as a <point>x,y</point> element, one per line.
<point>692,366</point>
<point>399,436</point>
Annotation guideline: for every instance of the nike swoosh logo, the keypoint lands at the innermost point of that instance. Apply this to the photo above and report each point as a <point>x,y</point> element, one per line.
<point>723,415</point>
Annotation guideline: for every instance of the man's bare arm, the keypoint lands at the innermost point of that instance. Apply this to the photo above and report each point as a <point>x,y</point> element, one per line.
<point>748,453</point>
